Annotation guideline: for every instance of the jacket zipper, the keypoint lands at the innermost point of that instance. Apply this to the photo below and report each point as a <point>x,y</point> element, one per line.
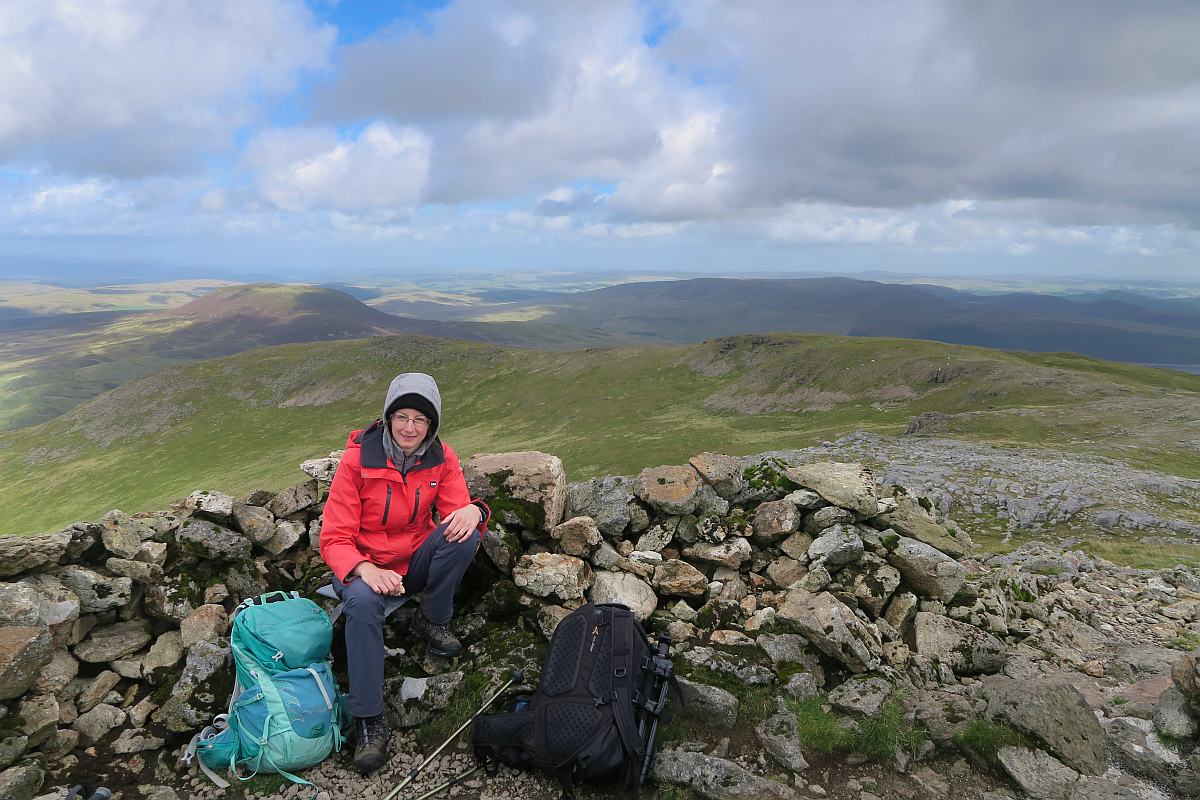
<point>416,507</point>
<point>387,505</point>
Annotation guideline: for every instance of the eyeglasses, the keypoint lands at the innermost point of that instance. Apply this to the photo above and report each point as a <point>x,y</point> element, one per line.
<point>418,422</point>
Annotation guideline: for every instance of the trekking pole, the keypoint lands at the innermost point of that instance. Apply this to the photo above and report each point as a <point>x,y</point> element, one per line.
<point>516,676</point>
<point>450,783</point>
<point>663,669</point>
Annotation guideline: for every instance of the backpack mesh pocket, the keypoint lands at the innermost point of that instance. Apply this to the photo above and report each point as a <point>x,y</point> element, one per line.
<point>562,665</point>
<point>569,726</point>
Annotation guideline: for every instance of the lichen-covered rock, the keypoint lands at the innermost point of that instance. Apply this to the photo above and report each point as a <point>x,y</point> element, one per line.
<point>96,691</point>
<point>849,486</point>
<point>816,522</point>
<point>190,705</point>
<point>209,540</point>
<point>136,740</point>
<point>57,606</point>
<point>716,778</point>
<point>675,577</point>
<point>214,504</point>
<point>293,499</point>
<point>23,781</point>
<point>321,469</point>
<point>18,605</point>
<point>872,581</point>
<point>577,536</point>
<point>254,522</point>
<point>138,571</point>
<point>549,617</point>
<point>964,648</point>
<point>56,674</point>
<point>96,592</point>
<point>837,547</point>
<point>494,546</point>
<point>625,588</point>
<point>861,696</point>
<point>746,669</point>
<point>1039,774</point>
<point>207,623</point>
<point>672,489</point>
<point>165,601</point>
<point>916,525</point>
<point>553,575</point>
<point>23,652</point>
<point>605,500</point>
<point>38,716</point>
<point>774,520</point>
<point>123,535</point>
<point>709,703</point>
<point>833,627</point>
<point>1055,713</point>
<point>526,488</point>
<point>925,568</point>
<point>1136,746</point>
<point>720,471</point>
<point>95,724</point>
<point>732,552</point>
<point>110,642</point>
<point>165,653</point>
<point>785,571</point>
<point>1172,715</point>
<point>796,546</point>
<point>22,553</point>
<point>287,535</point>
<point>780,736</point>
<point>410,702</point>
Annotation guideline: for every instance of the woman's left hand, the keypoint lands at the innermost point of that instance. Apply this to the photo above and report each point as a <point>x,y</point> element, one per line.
<point>462,522</point>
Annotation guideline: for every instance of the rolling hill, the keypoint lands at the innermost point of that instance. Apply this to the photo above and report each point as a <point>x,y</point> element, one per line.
<point>681,312</point>
<point>245,421</point>
<point>51,363</point>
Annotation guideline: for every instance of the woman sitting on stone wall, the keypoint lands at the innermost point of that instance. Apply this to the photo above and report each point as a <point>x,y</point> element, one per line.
<point>379,538</point>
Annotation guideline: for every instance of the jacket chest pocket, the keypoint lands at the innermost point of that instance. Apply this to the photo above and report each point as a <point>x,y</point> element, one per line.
<point>387,504</point>
<point>416,507</point>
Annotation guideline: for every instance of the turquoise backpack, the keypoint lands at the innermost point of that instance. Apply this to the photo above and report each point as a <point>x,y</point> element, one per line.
<point>286,712</point>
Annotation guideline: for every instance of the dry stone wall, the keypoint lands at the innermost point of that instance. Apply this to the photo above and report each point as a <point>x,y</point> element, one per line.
<point>783,578</point>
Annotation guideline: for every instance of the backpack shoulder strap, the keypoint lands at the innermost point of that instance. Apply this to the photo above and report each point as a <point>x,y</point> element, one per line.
<point>622,680</point>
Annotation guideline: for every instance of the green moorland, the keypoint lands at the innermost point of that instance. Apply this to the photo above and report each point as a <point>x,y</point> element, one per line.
<point>247,420</point>
<point>52,363</point>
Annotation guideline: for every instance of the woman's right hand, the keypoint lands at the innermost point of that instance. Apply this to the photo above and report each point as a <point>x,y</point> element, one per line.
<point>381,581</point>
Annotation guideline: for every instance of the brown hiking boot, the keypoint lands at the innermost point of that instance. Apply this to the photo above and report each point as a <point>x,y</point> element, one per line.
<point>437,635</point>
<point>370,751</point>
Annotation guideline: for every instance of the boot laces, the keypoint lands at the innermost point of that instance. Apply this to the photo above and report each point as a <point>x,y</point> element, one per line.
<point>372,729</point>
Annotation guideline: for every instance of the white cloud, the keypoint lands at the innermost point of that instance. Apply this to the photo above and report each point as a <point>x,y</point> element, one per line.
<point>383,167</point>
<point>136,87</point>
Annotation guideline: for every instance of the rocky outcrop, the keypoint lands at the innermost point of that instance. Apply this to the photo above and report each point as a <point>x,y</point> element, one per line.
<point>781,578</point>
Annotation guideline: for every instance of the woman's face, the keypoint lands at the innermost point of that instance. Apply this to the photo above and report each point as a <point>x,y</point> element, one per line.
<point>409,428</point>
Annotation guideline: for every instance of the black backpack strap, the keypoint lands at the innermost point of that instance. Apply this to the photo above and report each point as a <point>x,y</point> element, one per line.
<point>622,679</point>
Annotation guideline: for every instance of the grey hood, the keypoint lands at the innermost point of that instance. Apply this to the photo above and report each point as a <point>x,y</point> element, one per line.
<point>416,383</point>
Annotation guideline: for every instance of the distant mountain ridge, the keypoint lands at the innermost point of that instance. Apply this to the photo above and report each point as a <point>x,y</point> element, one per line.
<point>49,364</point>
<point>686,311</point>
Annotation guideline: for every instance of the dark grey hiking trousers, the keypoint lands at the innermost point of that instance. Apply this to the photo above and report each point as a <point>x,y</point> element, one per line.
<point>435,570</point>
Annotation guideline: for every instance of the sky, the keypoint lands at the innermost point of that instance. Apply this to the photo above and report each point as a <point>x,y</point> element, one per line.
<point>334,139</point>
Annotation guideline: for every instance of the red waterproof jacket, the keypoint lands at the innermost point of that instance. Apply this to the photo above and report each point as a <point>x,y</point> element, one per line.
<point>376,514</point>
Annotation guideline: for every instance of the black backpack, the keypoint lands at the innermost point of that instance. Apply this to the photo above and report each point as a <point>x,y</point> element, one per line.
<point>596,709</point>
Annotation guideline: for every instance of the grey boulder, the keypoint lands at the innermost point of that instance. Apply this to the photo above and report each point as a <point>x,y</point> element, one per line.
<point>850,486</point>
<point>716,778</point>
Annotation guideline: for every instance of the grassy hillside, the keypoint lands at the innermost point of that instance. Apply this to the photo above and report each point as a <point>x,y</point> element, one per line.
<point>692,310</point>
<point>49,364</point>
<point>245,421</point>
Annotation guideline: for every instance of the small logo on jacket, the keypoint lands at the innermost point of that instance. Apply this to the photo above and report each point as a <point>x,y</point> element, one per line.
<point>433,484</point>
